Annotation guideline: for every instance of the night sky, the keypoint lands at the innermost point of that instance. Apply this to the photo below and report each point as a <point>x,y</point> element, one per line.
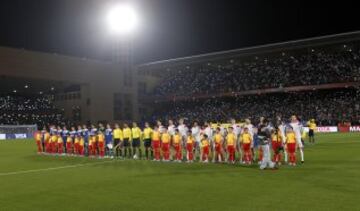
<point>169,28</point>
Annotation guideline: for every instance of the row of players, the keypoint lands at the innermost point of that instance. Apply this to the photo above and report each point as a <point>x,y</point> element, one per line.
<point>158,141</point>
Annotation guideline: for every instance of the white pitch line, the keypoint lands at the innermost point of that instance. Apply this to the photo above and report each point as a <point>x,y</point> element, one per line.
<point>53,168</point>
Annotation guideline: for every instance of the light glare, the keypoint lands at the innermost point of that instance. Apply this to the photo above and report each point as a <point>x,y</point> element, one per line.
<point>122,19</point>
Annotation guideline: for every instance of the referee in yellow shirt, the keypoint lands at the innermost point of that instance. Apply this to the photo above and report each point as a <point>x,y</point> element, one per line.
<point>136,135</point>
<point>147,133</point>
<point>312,128</point>
<point>127,139</point>
<point>118,137</point>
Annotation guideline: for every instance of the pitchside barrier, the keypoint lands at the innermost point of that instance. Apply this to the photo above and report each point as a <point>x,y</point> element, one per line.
<point>17,131</point>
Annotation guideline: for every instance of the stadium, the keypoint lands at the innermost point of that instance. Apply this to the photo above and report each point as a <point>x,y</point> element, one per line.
<point>264,126</point>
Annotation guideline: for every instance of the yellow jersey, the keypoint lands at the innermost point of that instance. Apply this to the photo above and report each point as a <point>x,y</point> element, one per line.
<point>246,138</point>
<point>47,137</point>
<point>118,134</point>
<point>135,132</point>
<point>230,139</point>
<point>127,133</point>
<point>190,140</point>
<point>38,137</point>
<point>81,141</point>
<point>204,143</point>
<point>155,135</point>
<point>312,126</point>
<point>147,133</point>
<point>218,138</point>
<point>68,139</point>
<point>77,140</point>
<point>276,137</point>
<point>53,138</point>
<point>59,140</point>
<point>165,138</point>
<point>101,138</point>
<point>290,137</point>
<point>177,139</point>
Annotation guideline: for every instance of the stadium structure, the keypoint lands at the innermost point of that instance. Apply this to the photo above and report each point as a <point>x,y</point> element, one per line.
<point>87,90</point>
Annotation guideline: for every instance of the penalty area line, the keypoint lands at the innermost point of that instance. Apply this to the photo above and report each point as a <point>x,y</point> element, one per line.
<point>53,168</point>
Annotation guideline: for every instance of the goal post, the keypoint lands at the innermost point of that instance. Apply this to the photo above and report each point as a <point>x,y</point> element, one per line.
<point>17,131</point>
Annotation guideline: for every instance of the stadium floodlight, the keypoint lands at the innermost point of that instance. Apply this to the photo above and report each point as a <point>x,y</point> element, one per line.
<point>122,19</point>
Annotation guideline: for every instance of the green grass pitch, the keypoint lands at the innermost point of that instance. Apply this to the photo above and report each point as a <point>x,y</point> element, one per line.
<point>329,180</point>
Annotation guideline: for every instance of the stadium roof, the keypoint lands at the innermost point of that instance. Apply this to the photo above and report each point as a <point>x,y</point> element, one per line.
<point>260,49</point>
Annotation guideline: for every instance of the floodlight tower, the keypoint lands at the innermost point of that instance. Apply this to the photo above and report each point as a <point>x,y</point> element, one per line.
<point>122,20</point>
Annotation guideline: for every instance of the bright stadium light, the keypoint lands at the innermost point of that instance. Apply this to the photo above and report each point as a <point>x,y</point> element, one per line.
<point>122,19</point>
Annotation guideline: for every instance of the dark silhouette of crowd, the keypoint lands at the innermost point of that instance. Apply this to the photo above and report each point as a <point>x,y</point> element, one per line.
<point>328,107</point>
<point>19,110</point>
<point>310,68</point>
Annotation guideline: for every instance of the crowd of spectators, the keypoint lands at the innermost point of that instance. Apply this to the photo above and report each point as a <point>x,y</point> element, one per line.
<point>328,107</point>
<point>18,110</point>
<point>312,68</point>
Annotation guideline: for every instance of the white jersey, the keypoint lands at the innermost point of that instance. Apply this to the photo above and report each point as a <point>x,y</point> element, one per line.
<point>171,130</point>
<point>236,129</point>
<point>183,130</point>
<point>282,128</point>
<point>209,132</point>
<point>161,129</point>
<point>250,127</point>
<point>297,128</point>
<point>195,131</point>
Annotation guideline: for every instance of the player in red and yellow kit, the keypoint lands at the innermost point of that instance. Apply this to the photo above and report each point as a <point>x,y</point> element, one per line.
<point>92,145</point>
<point>76,144</point>
<point>176,142</point>
<point>38,137</point>
<point>276,142</point>
<point>69,147</point>
<point>47,142</point>
<point>291,146</point>
<point>60,147</point>
<point>155,141</point>
<point>218,139</point>
<point>101,144</point>
<point>165,145</point>
<point>231,145</point>
<point>81,146</point>
<point>54,142</point>
<point>190,142</point>
<point>246,139</point>
<point>205,148</point>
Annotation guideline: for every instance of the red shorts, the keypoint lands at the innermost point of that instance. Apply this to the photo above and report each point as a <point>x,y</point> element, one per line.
<point>189,147</point>
<point>156,144</point>
<point>205,150</point>
<point>177,147</point>
<point>218,147</point>
<point>246,147</point>
<point>101,145</point>
<point>291,147</point>
<point>165,146</point>
<point>231,149</point>
<point>275,145</point>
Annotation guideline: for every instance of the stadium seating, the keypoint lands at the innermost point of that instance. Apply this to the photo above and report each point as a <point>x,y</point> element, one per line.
<point>310,68</point>
<point>17,110</point>
<point>328,107</point>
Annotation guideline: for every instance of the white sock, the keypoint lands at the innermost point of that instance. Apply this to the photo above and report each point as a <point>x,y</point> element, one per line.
<point>302,154</point>
<point>285,156</point>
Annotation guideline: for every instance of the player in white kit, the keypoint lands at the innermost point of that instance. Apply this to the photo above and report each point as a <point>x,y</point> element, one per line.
<point>297,128</point>
<point>195,131</point>
<point>183,130</point>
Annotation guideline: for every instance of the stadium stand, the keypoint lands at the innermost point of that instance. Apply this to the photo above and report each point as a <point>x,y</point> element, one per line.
<point>316,78</point>
<point>33,109</point>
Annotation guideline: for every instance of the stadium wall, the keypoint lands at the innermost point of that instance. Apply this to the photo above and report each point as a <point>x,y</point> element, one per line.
<point>100,81</point>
